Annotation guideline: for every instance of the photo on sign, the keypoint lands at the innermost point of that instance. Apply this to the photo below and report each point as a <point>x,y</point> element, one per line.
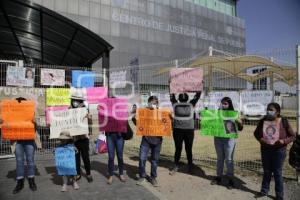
<point>230,126</point>
<point>270,132</point>
<point>20,76</point>
<point>53,77</point>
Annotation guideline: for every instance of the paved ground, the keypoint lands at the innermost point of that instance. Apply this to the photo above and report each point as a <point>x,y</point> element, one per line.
<point>181,186</point>
<point>49,184</point>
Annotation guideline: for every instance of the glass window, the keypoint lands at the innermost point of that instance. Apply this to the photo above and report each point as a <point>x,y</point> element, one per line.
<point>49,4</point>
<point>105,12</point>
<point>94,25</point>
<point>61,5</point>
<point>104,27</point>
<point>95,10</point>
<point>115,29</point>
<point>150,8</point>
<point>84,21</point>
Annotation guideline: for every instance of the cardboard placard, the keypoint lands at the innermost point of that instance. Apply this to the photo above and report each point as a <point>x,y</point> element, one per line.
<point>49,112</point>
<point>58,97</point>
<point>219,123</point>
<point>113,115</point>
<point>186,80</point>
<point>20,76</point>
<point>52,77</point>
<point>270,132</point>
<point>72,120</point>
<point>95,94</point>
<point>155,122</point>
<point>17,120</point>
<point>83,79</point>
<point>65,160</point>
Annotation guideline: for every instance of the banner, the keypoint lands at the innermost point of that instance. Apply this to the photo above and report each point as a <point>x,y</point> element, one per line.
<point>113,115</point>
<point>83,79</point>
<point>271,132</point>
<point>50,114</point>
<point>117,79</point>
<point>65,160</point>
<point>74,121</point>
<point>17,120</point>
<point>52,77</point>
<point>95,94</point>
<point>213,100</point>
<point>58,97</point>
<point>20,76</point>
<point>219,123</point>
<point>255,102</point>
<point>35,94</point>
<point>155,122</point>
<point>186,80</point>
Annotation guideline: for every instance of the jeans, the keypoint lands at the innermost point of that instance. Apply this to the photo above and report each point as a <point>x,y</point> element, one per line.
<point>82,146</point>
<point>155,152</point>
<point>272,160</point>
<point>27,148</point>
<point>186,136</point>
<point>115,143</point>
<point>225,150</point>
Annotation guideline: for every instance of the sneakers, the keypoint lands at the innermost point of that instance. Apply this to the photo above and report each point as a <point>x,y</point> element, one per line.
<point>19,186</point>
<point>154,182</point>
<point>75,185</point>
<point>217,181</point>
<point>89,178</point>
<point>32,184</point>
<point>110,180</point>
<point>64,188</point>
<point>174,170</point>
<point>141,181</point>
<point>230,184</point>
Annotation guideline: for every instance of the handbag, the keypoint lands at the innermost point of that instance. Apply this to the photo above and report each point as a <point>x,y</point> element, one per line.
<point>101,144</point>
<point>129,134</point>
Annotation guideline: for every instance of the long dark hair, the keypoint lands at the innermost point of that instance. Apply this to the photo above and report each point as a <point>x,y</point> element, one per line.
<point>229,101</point>
<point>276,106</point>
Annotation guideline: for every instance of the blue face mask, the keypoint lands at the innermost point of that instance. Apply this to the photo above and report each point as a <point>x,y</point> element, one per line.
<point>271,113</point>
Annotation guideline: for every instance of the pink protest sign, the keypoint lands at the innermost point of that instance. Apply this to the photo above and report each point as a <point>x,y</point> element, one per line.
<point>113,115</point>
<point>186,80</point>
<point>49,112</point>
<point>94,94</point>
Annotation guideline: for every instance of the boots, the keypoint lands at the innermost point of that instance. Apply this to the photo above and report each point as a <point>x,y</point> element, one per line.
<point>19,186</point>
<point>32,184</point>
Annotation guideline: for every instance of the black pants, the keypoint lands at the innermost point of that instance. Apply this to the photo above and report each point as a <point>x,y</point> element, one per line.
<point>82,146</point>
<point>180,135</point>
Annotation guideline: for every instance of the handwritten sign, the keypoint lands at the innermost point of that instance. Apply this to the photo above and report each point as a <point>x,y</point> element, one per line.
<point>72,120</point>
<point>83,79</point>
<point>58,97</point>
<point>219,123</point>
<point>95,94</point>
<point>65,160</point>
<point>155,122</point>
<point>49,112</point>
<point>113,115</point>
<point>35,94</point>
<point>186,80</point>
<point>17,120</point>
<point>53,77</point>
<point>20,76</point>
<point>270,132</point>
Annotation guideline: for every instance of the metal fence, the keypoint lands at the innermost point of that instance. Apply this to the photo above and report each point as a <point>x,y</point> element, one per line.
<point>145,80</point>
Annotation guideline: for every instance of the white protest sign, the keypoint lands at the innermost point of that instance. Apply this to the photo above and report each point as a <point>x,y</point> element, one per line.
<point>73,120</point>
<point>117,79</point>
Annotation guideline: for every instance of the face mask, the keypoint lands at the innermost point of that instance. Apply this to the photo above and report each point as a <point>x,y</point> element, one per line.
<point>271,115</point>
<point>151,105</point>
<point>225,107</point>
<point>75,104</point>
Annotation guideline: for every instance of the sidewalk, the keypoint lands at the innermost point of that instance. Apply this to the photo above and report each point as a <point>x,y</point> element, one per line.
<point>49,184</point>
<point>180,186</point>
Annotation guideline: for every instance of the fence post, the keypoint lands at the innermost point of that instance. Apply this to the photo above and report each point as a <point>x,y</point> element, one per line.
<point>210,73</point>
<point>298,86</point>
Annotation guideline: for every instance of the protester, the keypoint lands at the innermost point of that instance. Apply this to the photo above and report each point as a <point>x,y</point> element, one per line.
<point>273,154</point>
<point>152,143</point>
<point>225,149</point>
<point>183,131</point>
<point>27,148</point>
<point>66,141</point>
<point>81,142</point>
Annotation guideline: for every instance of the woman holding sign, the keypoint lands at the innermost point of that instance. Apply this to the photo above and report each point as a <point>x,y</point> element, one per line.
<point>225,146</point>
<point>274,133</point>
<point>24,143</point>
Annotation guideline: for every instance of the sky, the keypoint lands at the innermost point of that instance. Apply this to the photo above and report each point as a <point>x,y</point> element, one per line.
<point>270,24</point>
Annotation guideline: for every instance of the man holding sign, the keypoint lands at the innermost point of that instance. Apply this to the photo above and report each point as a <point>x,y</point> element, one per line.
<point>152,123</point>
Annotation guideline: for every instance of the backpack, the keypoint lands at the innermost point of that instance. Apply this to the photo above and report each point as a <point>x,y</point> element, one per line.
<point>294,155</point>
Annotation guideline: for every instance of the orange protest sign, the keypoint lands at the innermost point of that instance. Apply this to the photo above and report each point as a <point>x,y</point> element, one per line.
<point>155,122</point>
<point>17,120</point>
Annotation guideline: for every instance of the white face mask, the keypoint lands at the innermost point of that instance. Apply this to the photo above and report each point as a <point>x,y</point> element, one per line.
<point>271,113</point>
<point>152,105</point>
<point>75,104</point>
